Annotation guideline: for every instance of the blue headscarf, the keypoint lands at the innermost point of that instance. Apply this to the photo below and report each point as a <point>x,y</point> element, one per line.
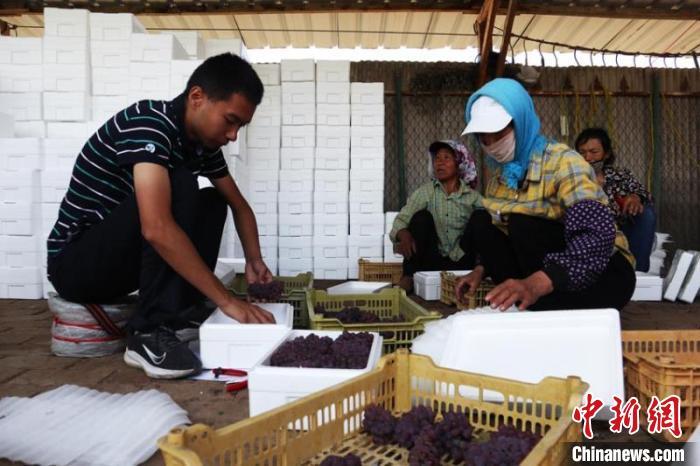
<point>517,102</point>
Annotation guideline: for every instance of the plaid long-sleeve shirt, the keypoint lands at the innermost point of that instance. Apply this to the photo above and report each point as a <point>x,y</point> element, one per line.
<point>450,213</point>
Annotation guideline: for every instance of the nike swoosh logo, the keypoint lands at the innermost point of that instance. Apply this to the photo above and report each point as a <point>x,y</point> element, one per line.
<point>157,360</point>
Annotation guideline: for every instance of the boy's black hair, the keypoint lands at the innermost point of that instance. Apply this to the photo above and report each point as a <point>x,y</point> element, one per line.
<point>222,75</point>
<point>601,135</point>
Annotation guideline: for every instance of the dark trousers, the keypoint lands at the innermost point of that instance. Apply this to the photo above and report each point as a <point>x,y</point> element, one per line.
<point>112,259</point>
<point>521,252</point>
<point>427,255</point>
<point>639,231</point>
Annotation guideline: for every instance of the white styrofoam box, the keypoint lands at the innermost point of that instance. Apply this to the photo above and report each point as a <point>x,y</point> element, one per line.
<point>367,136</point>
<point>66,22</point>
<point>331,269</point>
<point>54,184</point>
<point>49,213</point>
<point>530,346</point>
<point>30,129</point>
<point>366,224</point>
<point>334,137</point>
<point>333,114</point>
<point>67,129</point>
<point>366,180</point>
<point>366,93</point>
<point>105,107</point>
<point>298,94</point>
<point>301,181</point>
<point>269,73</point>
<point>390,256</point>
<point>20,282</point>
<point>332,158</point>
<point>110,81</point>
<point>263,181</point>
<point>333,71</point>
<point>295,247</point>
<point>224,342</point>
<point>648,288</point>
<point>296,225</point>
<point>367,115</point>
<point>61,153</point>
<point>114,26</point>
<point>297,158</point>
<point>331,202</point>
<point>19,186</point>
<point>190,41</point>
<point>427,285</point>
<point>19,218</point>
<point>155,48</point>
<point>330,247</point>
<point>263,202</point>
<point>21,78</point>
<point>20,251</point>
<point>292,267</point>
<point>295,202</point>
<point>20,50</point>
<point>299,114</point>
<point>24,106</point>
<point>214,47</point>
<point>266,159</point>
<point>365,246</point>
<point>67,78</point>
<point>331,180</point>
<point>180,72</point>
<point>331,225</point>
<point>7,125</point>
<point>367,202</point>
<point>269,111</point>
<point>265,391</point>
<point>267,224</point>
<point>66,50</point>
<point>110,54</point>
<point>20,153</point>
<point>691,285</point>
<point>263,137</point>
<point>271,263</point>
<point>389,218</point>
<point>332,93</point>
<point>298,70</point>
<point>676,274</point>
<point>66,106</point>
<point>298,136</point>
<point>145,76</point>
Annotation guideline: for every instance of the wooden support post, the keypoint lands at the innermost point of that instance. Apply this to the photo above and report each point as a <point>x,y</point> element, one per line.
<point>501,65</point>
<point>484,29</point>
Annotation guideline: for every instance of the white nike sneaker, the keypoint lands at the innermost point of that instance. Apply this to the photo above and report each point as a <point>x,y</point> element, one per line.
<point>161,354</point>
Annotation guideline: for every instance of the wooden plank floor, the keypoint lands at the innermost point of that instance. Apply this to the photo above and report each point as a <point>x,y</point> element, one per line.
<point>27,366</point>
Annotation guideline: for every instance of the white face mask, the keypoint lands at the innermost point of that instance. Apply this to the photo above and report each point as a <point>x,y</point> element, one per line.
<point>503,150</point>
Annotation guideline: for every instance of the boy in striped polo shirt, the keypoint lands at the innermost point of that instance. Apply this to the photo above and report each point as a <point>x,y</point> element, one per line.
<point>134,217</point>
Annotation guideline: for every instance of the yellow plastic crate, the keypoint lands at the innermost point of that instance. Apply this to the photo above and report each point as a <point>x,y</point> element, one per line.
<point>333,418</point>
<point>447,292</point>
<point>662,363</point>
<point>294,293</point>
<point>387,303</point>
<point>380,271</point>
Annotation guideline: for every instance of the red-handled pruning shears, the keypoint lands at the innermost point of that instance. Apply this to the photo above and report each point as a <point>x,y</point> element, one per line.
<point>232,385</point>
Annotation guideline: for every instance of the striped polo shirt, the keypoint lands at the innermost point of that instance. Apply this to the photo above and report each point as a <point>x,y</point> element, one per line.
<point>102,177</point>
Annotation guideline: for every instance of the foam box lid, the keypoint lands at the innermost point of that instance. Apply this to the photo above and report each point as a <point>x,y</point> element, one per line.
<point>529,346</point>
<point>645,280</point>
<point>428,278</point>
<point>357,287</point>
<point>282,312</point>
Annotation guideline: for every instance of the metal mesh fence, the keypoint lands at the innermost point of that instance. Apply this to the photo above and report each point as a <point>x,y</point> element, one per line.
<point>433,96</point>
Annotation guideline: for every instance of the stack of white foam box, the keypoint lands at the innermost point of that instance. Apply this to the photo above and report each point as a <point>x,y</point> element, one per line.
<point>214,47</point>
<point>389,254</point>
<point>366,173</point>
<point>191,41</point>
<point>21,84</point>
<point>332,162</point>
<point>298,96</point>
<point>149,65</point>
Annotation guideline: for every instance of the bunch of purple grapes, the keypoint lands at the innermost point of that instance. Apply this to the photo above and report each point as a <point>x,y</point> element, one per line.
<point>380,424</point>
<point>266,291</point>
<point>505,446</point>
<point>411,424</point>
<point>355,315</point>
<point>425,450</point>
<point>454,433</point>
<point>348,351</point>
<point>347,460</point>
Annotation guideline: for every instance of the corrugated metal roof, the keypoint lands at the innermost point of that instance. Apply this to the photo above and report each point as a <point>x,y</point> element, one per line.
<point>416,29</point>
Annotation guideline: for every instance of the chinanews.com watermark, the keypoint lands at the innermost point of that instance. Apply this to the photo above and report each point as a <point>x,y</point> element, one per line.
<point>661,416</point>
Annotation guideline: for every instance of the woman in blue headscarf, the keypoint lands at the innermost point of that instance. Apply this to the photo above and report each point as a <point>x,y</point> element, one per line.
<point>429,230</point>
<point>546,236</point>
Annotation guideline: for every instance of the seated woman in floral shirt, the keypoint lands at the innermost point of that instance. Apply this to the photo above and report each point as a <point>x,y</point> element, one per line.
<point>630,201</point>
